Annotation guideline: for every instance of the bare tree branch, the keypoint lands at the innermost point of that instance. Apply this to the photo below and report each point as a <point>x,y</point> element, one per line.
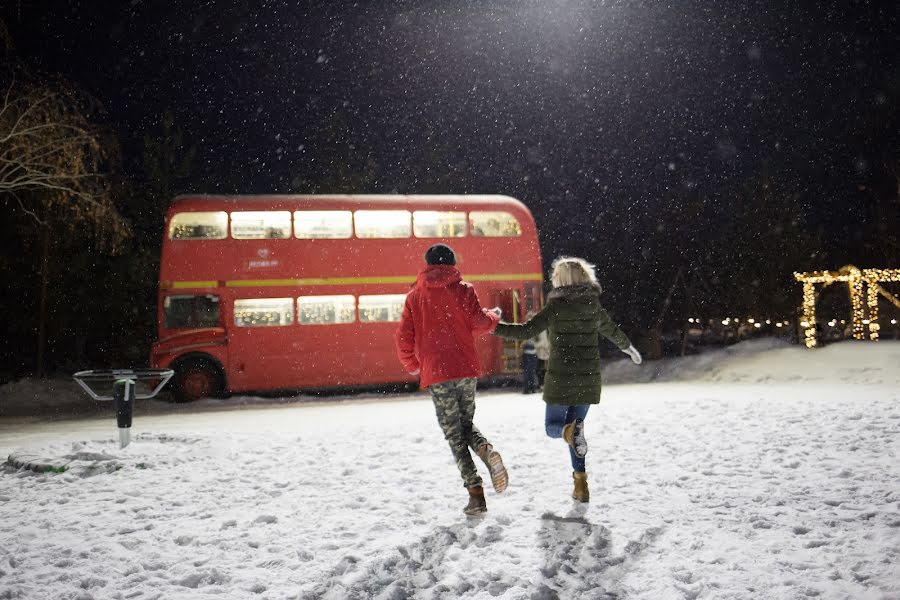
<point>52,158</point>
<point>28,212</point>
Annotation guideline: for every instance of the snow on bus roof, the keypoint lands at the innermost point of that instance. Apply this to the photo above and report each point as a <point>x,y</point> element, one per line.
<point>443,200</point>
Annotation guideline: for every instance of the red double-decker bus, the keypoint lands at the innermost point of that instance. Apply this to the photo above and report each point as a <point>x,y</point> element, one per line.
<point>264,293</point>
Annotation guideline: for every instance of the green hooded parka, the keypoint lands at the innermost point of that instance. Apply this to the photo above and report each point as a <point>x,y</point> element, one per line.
<point>574,319</point>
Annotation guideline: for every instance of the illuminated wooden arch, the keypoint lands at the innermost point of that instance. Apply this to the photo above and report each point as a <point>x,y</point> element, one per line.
<point>856,279</point>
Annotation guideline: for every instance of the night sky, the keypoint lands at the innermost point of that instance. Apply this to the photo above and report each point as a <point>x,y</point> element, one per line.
<point>587,111</point>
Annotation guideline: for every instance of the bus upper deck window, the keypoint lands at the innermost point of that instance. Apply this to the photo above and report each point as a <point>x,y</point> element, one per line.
<point>494,224</point>
<point>324,310</point>
<point>323,224</point>
<point>383,308</point>
<point>191,311</point>
<point>382,223</point>
<point>261,225</point>
<point>263,312</point>
<point>198,226</point>
<point>433,224</point>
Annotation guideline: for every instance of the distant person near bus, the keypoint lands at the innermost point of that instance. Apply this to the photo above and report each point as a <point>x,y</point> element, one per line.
<point>535,352</point>
<point>436,340</point>
<point>529,367</point>
<point>574,318</point>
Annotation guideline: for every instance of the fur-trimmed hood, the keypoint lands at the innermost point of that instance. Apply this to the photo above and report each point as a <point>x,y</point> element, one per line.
<point>585,291</point>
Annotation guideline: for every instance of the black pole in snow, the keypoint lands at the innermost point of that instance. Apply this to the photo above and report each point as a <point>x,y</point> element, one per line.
<point>124,392</point>
<point>123,396</point>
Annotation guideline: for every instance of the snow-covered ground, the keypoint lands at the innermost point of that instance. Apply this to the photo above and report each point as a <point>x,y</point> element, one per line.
<point>761,471</point>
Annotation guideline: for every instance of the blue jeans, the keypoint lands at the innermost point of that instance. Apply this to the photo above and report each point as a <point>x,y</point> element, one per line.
<point>557,416</point>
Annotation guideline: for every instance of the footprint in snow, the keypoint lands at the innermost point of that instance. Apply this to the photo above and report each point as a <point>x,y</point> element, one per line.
<point>267,519</point>
<point>562,540</point>
<point>413,567</point>
<point>579,558</point>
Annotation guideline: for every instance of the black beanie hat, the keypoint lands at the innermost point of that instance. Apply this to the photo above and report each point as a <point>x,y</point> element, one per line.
<point>440,254</point>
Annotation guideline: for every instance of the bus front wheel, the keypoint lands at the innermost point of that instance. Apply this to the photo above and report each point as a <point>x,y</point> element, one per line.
<point>196,378</point>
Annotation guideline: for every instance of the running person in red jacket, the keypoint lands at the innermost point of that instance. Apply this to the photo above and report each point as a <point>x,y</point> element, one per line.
<point>436,340</point>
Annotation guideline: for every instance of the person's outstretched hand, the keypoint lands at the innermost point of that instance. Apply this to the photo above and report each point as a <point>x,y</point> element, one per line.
<point>497,311</point>
<point>632,352</point>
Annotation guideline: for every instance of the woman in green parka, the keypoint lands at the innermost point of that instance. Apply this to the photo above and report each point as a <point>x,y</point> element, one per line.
<point>573,318</point>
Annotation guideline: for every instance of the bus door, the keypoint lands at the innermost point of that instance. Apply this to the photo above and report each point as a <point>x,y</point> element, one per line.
<point>263,346</point>
<point>509,301</point>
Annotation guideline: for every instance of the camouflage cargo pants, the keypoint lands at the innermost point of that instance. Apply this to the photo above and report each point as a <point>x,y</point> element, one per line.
<point>454,403</point>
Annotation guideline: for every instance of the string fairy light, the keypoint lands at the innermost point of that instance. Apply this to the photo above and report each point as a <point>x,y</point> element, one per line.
<point>856,280</point>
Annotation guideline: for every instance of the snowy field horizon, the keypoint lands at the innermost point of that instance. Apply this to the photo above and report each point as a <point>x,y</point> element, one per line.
<point>762,470</point>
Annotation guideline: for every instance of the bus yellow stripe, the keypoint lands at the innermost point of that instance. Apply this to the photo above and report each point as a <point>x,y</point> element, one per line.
<point>314,281</point>
<point>194,284</point>
<point>260,282</point>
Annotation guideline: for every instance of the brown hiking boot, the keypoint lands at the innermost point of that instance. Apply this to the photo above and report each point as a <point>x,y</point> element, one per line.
<point>581,492</point>
<point>492,460</point>
<point>573,434</point>
<point>477,504</point>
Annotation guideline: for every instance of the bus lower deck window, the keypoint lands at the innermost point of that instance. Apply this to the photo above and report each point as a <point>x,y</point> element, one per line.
<point>324,310</point>
<point>263,312</point>
<point>385,307</point>
<point>191,311</point>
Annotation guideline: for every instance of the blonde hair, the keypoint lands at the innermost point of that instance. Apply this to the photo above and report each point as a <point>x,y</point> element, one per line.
<point>569,270</point>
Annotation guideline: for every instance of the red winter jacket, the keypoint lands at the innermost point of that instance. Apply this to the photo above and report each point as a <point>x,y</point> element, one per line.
<point>437,330</point>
